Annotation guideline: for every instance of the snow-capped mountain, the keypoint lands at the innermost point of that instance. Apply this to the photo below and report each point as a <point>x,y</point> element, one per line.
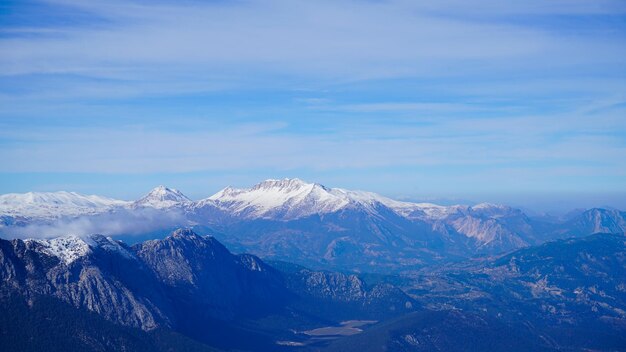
<point>284,199</point>
<point>290,199</point>
<point>162,197</point>
<point>52,205</point>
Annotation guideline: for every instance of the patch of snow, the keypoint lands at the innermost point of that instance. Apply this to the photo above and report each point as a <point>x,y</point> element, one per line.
<point>67,249</point>
<point>482,206</point>
<point>70,248</point>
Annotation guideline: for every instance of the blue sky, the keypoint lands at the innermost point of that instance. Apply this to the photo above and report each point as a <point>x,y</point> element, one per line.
<point>521,102</point>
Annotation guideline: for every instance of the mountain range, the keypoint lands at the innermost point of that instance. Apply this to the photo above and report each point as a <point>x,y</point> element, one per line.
<point>305,223</point>
<point>320,269</point>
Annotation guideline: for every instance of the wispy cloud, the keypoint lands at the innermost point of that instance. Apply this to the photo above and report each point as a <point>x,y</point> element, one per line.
<point>480,87</point>
<point>456,141</point>
<point>335,39</point>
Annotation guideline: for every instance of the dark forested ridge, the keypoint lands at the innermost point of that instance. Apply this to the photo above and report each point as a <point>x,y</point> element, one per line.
<point>48,324</point>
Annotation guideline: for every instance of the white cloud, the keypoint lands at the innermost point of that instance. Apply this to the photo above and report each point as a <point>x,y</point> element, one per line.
<point>339,40</point>
<point>139,221</point>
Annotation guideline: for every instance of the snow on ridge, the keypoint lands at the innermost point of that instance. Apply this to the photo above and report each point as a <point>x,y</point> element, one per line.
<point>71,247</point>
<point>68,248</point>
<point>273,198</point>
<point>294,195</point>
<point>55,204</point>
<point>486,205</point>
<point>294,198</point>
<point>59,198</point>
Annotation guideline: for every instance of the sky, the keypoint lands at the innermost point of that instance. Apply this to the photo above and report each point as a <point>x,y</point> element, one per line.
<point>520,102</point>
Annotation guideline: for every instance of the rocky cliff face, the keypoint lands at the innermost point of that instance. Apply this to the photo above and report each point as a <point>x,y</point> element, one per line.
<point>597,220</point>
<point>95,273</point>
<point>167,282</point>
<point>204,276</point>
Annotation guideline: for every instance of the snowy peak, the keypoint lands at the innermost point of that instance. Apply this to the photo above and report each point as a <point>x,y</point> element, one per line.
<point>490,208</point>
<point>162,197</point>
<point>285,185</point>
<point>284,199</point>
<point>55,204</point>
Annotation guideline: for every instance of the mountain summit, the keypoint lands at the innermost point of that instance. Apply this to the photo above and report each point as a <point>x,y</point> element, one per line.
<point>286,199</point>
<point>162,197</point>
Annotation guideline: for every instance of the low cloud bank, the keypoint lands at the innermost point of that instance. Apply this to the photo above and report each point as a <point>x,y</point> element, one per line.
<point>122,222</point>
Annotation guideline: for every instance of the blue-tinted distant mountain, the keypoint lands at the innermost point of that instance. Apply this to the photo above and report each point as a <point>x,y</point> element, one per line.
<point>596,220</point>
<point>572,292</point>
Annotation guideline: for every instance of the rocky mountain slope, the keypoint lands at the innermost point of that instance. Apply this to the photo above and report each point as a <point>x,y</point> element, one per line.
<point>190,284</point>
<point>571,292</point>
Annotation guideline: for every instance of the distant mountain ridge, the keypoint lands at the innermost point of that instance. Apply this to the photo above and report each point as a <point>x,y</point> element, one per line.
<point>310,223</point>
<point>50,205</point>
<point>286,199</point>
